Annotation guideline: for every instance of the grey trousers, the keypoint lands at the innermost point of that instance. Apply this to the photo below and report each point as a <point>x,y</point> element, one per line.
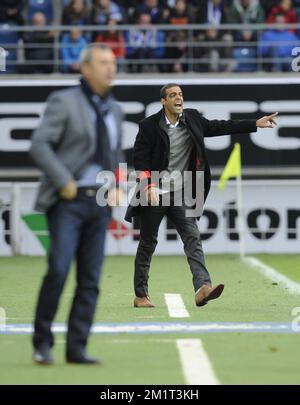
<point>150,219</point>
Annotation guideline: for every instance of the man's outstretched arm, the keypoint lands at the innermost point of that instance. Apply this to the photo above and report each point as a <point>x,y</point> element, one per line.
<point>230,127</point>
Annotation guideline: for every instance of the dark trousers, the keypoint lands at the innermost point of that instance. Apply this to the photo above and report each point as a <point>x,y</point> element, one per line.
<point>150,219</point>
<point>77,230</point>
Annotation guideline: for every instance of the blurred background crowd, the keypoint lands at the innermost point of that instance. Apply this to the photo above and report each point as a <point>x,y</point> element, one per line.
<point>45,36</point>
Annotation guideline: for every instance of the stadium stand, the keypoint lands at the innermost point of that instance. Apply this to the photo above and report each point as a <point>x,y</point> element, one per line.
<point>152,35</point>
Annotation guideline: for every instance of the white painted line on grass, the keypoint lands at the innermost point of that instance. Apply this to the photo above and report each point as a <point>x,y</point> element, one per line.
<point>196,366</point>
<point>176,306</point>
<point>2,318</point>
<point>165,327</point>
<point>272,274</point>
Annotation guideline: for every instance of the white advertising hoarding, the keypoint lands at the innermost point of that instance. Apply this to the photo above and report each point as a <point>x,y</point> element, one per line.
<point>271,221</point>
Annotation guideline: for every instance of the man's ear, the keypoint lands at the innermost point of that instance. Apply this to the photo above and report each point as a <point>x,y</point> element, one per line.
<point>162,100</point>
<point>84,69</point>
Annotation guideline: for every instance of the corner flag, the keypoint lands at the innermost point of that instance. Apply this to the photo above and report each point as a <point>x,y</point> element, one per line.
<point>233,166</point>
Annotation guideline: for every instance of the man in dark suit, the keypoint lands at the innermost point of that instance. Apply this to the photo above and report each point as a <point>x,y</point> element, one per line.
<point>79,136</point>
<point>173,140</point>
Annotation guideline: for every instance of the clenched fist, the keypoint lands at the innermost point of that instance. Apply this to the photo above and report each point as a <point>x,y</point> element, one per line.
<point>69,191</point>
<point>153,196</point>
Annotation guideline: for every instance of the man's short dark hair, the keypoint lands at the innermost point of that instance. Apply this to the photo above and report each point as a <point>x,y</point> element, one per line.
<point>163,90</point>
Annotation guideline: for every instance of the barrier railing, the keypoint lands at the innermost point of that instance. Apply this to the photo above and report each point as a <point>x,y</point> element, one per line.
<point>170,48</point>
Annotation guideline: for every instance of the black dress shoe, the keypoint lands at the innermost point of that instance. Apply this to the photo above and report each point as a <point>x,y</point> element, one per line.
<point>83,360</point>
<point>43,356</point>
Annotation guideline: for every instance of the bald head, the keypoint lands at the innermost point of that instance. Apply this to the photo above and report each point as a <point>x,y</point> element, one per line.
<point>39,19</point>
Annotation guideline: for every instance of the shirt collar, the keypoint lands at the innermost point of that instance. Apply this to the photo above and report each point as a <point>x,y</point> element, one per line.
<point>180,118</point>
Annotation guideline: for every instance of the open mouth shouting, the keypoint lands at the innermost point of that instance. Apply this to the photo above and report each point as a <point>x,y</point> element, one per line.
<point>178,105</point>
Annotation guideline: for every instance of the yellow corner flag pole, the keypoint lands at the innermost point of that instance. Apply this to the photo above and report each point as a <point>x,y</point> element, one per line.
<point>233,168</point>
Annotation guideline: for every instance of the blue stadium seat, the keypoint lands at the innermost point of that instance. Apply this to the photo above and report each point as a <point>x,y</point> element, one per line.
<point>9,41</point>
<point>43,6</point>
<point>241,56</point>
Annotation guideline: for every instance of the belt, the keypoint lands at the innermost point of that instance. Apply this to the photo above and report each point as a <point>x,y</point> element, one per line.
<point>88,191</point>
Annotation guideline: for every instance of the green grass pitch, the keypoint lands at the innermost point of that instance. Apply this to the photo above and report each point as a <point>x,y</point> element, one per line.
<point>237,357</point>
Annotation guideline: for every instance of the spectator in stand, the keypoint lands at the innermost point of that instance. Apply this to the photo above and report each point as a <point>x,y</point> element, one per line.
<point>245,12</point>
<point>144,42</point>
<point>75,13</point>
<point>211,12</point>
<point>285,8</point>
<point>104,10</point>
<point>38,47</point>
<point>211,54</point>
<point>278,44</point>
<point>11,11</point>
<point>171,3</point>
<point>180,14</point>
<point>158,14</point>
<point>297,10</point>
<point>245,55</point>
<point>71,46</point>
<point>115,40</point>
<point>267,5</point>
<point>10,17</point>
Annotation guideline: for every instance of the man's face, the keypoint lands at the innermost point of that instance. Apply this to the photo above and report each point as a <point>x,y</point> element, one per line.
<point>145,19</point>
<point>75,34</point>
<point>39,19</point>
<point>280,19</point>
<point>286,4</point>
<point>173,102</point>
<point>101,70</point>
<point>152,3</point>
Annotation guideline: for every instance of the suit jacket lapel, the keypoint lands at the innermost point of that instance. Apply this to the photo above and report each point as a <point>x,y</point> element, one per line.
<point>88,120</point>
<point>118,119</point>
<point>161,130</point>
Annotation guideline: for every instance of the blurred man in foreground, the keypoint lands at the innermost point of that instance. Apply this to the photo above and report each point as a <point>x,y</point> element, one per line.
<point>79,136</point>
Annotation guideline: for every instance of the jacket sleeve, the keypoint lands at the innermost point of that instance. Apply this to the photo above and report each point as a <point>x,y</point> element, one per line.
<point>120,173</point>
<point>46,137</point>
<point>229,127</point>
<point>142,155</point>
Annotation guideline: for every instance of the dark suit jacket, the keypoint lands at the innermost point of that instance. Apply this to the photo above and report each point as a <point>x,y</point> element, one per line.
<point>151,148</point>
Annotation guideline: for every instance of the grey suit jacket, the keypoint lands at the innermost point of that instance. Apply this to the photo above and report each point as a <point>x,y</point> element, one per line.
<point>65,141</point>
